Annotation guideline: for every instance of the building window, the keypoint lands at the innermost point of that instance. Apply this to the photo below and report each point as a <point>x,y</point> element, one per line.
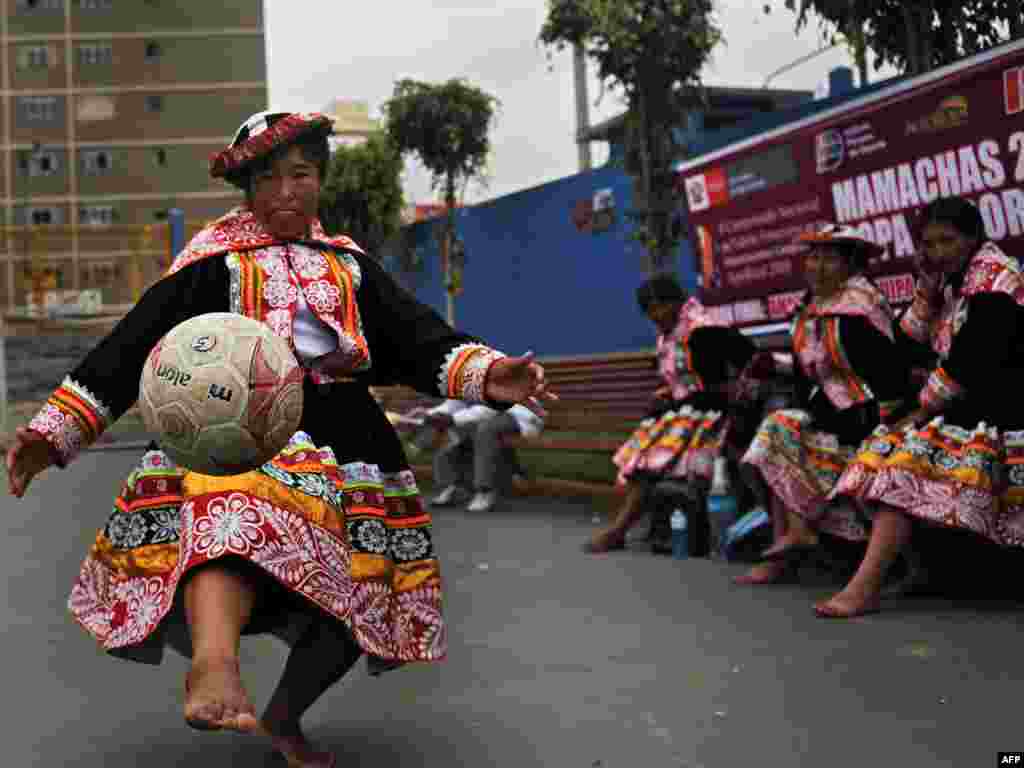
<point>153,51</point>
<point>160,156</point>
<point>96,215</point>
<point>42,215</point>
<point>41,162</point>
<point>93,108</point>
<point>38,109</point>
<point>94,5</point>
<point>34,57</point>
<point>40,5</point>
<point>96,162</point>
<point>92,54</point>
<point>154,102</point>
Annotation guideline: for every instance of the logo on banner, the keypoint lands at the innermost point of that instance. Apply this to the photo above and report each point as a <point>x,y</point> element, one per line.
<point>697,193</point>
<point>952,112</point>
<point>829,150</point>
<point>706,190</point>
<point>1013,90</point>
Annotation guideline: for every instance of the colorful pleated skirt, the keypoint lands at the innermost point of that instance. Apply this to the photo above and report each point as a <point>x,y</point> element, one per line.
<point>943,474</point>
<point>801,465</point>
<point>348,541</point>
<point>679,445</point>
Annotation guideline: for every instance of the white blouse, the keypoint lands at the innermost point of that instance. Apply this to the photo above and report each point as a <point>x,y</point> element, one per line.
<point>312,337</point>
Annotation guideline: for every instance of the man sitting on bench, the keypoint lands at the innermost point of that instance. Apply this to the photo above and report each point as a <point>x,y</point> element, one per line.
<point>475,453</point>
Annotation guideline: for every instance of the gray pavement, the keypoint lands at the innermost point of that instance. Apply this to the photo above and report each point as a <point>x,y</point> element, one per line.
<point>556,659</point>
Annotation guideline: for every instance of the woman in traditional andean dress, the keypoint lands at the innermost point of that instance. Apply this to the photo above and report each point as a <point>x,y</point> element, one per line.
<point>697,357</point>
<point>844,369</point>
<point>328,545</point>
<point>958,460</point>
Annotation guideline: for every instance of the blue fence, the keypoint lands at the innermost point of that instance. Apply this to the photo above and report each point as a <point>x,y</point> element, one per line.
<point>533,280</point>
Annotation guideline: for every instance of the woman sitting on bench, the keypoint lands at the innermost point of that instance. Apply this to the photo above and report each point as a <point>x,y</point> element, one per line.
<point>687,428</point>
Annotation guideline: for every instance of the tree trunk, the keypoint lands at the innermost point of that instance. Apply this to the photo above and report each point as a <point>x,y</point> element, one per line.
<point>446,246</point>
<point>1016,20</point>
<point>643,134</point>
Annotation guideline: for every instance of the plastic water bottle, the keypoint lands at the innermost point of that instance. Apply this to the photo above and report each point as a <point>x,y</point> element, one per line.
<point>722,507</point>
<point>680,538</point>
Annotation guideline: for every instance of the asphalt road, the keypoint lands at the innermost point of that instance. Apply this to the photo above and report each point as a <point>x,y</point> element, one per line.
<point>556,659</point>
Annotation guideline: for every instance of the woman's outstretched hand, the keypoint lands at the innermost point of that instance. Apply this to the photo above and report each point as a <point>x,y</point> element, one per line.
<point>29,456</point>
<point>518,380</point>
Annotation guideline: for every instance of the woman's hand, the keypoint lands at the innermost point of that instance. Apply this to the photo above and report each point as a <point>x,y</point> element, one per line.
<point>928,280</point>
<point>662,393</point>
<point>439,420</point>
<point>518,380</point>
<point>912,420</point>
<point>29,456</point>
<point>761,366</point>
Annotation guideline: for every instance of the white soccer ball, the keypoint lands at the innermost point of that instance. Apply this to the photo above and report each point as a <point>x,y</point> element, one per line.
<point>222,392</point>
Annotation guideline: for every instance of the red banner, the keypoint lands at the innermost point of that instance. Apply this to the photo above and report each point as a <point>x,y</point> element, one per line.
<point>872,163</point>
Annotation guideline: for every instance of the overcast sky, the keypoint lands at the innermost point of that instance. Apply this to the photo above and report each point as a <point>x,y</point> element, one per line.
<point>318,51</point>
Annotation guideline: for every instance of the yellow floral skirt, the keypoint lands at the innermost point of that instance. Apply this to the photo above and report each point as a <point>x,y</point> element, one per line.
<point>680,445</point>
<point>351,540</point>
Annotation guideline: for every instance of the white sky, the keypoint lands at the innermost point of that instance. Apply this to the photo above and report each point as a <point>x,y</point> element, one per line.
<point>319,50</point>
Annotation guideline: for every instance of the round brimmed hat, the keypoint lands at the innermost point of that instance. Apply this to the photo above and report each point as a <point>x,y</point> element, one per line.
<point>841,234</point>
<point>261,134</point>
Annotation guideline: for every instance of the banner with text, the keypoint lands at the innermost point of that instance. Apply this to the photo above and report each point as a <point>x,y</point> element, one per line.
<point>872,166</point>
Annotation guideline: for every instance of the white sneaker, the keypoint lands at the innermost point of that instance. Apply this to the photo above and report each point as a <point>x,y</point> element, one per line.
<point>482,501</point>
<point>446,497</point>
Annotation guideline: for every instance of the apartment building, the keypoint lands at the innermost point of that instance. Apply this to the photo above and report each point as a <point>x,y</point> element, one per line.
<point>110,111</point>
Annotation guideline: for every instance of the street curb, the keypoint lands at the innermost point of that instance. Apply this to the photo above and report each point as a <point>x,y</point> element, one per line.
<point>119,445</point>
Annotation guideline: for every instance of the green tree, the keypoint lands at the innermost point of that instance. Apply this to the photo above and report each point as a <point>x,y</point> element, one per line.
<point>915,35</point>
<point>652,51</point>
<point>447,126</point>
<point>362,194</point>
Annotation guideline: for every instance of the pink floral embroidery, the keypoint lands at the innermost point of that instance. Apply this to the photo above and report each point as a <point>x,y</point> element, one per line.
<point>322,296</point>
<point>279,293</point>
<point>280,322</point>
<point>309,264</point>
<point>230,524</point>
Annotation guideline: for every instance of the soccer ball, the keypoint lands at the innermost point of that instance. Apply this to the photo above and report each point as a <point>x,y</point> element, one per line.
<point>223,393</point>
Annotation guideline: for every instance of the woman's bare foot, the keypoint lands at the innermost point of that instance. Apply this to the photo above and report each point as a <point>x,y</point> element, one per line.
<point>766,573</point>
<point>791,541</point>
<point>215,698</point>
<point>847,605</point>
<point>289,740</point>
<point>605,541</point>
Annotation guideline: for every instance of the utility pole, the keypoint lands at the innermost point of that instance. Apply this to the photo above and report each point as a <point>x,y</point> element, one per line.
<point>579,60</point>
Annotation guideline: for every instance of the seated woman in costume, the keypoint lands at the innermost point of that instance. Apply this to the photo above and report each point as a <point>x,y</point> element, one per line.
<point>689,424</point>
<point>958,460</point>
<point>844,367</point>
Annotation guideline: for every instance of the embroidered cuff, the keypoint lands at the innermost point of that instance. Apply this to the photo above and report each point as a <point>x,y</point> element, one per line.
<point>939,390</point>
<point>71,420</point>
<point>464,372</point>
<point>783,363</point>
<point>917,320</point>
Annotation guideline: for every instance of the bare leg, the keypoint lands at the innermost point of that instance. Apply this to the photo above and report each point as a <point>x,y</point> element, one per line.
<point>614,536</point>
<point>798,535</point>
<point>890,532</point>
<point>774,571</point>
<point>218,604</point>
<point>321,657</point>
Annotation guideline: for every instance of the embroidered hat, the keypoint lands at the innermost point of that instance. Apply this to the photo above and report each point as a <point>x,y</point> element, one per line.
<point>842,234</point>
<point>263,133</point>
